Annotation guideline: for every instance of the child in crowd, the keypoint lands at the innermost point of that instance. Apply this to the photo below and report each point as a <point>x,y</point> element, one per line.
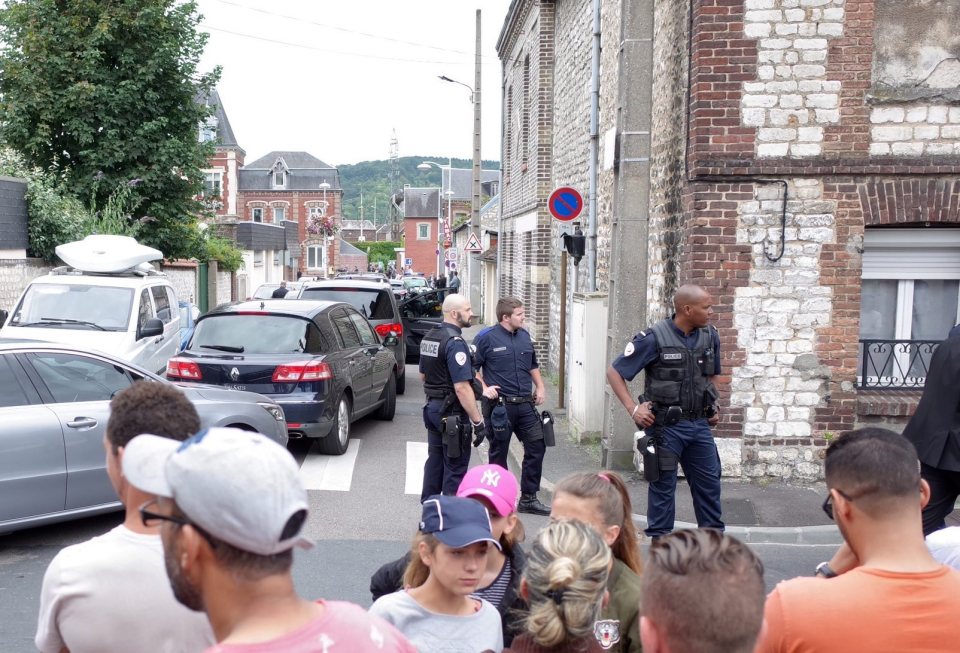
<point>565,585</point>
<point>602,501</point>
<point>448,558</point>
<point>497,490</point>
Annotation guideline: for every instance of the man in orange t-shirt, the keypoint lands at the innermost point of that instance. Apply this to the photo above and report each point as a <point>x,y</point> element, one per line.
<point>882,591</point>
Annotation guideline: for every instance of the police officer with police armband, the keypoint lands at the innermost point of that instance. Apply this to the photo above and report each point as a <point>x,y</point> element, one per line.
<point>681,356</point>
<point>450,414</point>
<point>511,376</point>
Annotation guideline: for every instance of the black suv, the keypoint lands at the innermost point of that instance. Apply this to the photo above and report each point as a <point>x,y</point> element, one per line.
<point>376,302</point>
<point>320,360</point>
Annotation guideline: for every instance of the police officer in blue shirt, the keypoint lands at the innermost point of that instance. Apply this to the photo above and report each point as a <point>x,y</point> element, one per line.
<point>681,356</point>
<point>510,373</point>
<point>451,413</point>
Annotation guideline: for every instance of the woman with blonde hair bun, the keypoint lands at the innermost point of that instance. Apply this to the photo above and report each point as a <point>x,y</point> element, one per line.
<point>564,584</point>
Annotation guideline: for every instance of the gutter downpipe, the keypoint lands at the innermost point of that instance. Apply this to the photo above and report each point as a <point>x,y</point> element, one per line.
<point>594,150</point>
<point>500,189</point>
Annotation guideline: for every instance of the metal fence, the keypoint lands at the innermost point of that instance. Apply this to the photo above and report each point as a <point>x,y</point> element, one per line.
<point>895,364</point>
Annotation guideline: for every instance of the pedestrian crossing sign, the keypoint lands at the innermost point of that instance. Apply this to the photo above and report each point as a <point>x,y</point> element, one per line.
<point>473,244</point>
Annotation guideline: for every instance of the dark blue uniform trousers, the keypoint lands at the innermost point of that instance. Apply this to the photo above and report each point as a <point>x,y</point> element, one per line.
<point>692,442</point>
<point>526,423</point>
<point>441,474</point>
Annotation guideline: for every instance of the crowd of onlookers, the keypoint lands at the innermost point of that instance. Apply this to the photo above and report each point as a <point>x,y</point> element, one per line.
<point>202,561</point>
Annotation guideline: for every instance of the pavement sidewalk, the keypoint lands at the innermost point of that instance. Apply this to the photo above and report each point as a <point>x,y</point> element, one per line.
<point>755,511</point>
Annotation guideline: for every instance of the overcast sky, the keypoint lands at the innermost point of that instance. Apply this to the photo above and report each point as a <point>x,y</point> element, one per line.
<point>336,77</point>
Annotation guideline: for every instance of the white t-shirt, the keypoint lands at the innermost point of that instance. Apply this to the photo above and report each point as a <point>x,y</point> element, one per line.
<point>110,594</point>
<point>944,545</point>
<point>430,631</point>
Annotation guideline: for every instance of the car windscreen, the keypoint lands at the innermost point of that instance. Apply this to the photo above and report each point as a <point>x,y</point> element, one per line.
<point>74,306</point>
<point>257,333</point>
<point>415,282</point>
<point>372,304</point>
<point>265,291</point>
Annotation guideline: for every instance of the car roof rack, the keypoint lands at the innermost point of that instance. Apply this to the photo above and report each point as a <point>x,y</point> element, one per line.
<point>139,270</point>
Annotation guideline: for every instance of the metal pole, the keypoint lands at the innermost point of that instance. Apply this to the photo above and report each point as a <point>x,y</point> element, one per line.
<point>562,384</point>
<point>472,263</point>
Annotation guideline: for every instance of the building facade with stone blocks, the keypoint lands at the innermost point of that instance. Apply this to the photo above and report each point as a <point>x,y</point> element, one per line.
<point>421,239</point>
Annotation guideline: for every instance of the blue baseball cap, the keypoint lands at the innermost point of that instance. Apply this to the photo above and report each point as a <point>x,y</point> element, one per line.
<point>456,521</point>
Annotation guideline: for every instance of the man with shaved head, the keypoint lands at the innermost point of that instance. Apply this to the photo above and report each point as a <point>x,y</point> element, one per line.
<point>446,368</point>
<point>680,356</point>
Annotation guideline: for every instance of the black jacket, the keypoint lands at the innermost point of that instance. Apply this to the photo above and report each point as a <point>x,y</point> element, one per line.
<point>513,610</point>
<point>935,428</point>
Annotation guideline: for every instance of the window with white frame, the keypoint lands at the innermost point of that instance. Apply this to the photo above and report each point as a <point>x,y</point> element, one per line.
<point>257,213</point>
<point>910,298</point>
<point>258,258</point>
<point>423,231</point>
<point>316,257</point>
<point>278,214</point>
<point>279,179</point>
<point>212,183</point>
<point>208,130</point>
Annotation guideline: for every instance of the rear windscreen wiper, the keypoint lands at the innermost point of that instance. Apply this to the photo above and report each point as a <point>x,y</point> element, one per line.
<point>228,348</point>
<point>49,321</point>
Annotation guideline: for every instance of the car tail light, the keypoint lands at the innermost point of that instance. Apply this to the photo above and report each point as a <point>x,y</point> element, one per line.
<point>384,330</point>
<point>302,371</point>
<point>183,368</point>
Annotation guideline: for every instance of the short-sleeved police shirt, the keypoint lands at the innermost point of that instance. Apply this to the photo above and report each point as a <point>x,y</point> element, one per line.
<point>458,357</point>
<point>642,350</point>
<point>506,359</point>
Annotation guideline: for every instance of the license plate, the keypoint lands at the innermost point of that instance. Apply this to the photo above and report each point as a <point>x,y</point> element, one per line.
<point>233,386</point>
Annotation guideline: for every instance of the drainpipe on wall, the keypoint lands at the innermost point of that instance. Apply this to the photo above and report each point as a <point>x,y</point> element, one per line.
<point>594,150</point>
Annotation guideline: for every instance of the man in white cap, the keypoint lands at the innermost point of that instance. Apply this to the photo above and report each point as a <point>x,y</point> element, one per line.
<point>232,508</point>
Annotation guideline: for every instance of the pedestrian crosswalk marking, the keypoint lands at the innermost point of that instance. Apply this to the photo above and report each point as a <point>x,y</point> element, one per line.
<point>416,457</point>
<point>333,473</point>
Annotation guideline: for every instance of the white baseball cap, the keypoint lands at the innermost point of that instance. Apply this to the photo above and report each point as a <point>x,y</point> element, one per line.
<point>238,486</point>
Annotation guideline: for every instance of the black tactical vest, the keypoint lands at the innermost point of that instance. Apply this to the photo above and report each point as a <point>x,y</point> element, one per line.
<point>433,352</point>
<point>681,376</point>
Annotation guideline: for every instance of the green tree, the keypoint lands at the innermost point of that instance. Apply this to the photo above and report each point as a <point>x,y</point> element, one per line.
<point>103,92</point>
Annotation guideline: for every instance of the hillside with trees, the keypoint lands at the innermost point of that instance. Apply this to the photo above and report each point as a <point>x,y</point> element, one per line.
<point>374,178</point>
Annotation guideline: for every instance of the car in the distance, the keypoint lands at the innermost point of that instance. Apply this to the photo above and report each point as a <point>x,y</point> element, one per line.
<point>265,290</point>
<point>419,314</point>
<point>399,291</point>
<point>376,302</point>
<point>415,285</point>
<point>54,406</point>
<point>321,361</point>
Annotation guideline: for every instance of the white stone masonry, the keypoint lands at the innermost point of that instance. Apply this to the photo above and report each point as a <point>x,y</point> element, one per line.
<point>915,130</point>
<point>792,99</point>
<point>776,318</point>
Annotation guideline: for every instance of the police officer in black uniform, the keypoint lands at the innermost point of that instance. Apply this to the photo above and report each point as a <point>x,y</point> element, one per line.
<point>511,375</point>
<point>451,413</point>
<point>681,356</point>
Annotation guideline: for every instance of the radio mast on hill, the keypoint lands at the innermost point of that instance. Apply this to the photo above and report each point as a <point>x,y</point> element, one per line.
<point>394,186</point>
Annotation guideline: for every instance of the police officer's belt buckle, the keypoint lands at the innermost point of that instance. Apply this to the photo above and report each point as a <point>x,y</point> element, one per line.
<point>517,400</point>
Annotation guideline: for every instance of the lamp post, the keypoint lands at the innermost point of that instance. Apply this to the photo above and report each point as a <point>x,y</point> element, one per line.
<point>324,186</point>
<point>445,227</point>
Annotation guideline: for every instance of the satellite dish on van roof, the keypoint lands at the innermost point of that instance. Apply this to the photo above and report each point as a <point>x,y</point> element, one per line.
<point>106,254</point>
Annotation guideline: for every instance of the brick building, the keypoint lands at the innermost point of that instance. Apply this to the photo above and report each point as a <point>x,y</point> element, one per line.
<point>799,158</point>
<point>421,212</point>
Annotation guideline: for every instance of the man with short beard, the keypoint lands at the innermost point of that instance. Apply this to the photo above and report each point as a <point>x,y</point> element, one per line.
<point>232,509</point>
<point>446,368</point>
<point>111,593</point>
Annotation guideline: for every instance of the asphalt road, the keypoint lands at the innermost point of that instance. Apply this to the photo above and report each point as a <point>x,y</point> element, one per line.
<point>365,514</point>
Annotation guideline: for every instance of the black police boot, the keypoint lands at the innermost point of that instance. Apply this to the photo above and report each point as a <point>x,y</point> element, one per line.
<point>531,504</point>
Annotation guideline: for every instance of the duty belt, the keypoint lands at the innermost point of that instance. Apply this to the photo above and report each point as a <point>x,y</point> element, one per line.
<point>517,400</point>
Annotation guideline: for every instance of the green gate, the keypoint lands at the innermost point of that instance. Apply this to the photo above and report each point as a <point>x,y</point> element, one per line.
<point>203,287</point>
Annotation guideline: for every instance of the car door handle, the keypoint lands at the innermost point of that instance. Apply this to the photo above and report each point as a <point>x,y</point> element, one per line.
<point>82,423</point>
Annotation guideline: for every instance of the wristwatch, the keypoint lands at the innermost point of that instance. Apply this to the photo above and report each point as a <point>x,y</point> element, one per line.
<point>824,569</point>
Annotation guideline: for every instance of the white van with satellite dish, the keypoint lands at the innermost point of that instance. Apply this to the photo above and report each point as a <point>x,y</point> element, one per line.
<point>108,297</point>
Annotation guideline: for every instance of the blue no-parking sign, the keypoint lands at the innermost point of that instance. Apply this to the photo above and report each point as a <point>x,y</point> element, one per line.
<point>565,203</point>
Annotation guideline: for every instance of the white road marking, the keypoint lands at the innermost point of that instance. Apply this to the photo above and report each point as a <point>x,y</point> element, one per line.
<point>416,457</point>
<point>334,473</point>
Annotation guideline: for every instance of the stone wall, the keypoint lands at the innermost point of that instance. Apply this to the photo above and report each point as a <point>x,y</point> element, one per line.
<point>224,288</point>
<point>183,276</point>
<point>15,275</point>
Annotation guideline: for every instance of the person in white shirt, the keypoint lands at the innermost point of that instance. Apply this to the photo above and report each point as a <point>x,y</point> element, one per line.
<point>111,593</point>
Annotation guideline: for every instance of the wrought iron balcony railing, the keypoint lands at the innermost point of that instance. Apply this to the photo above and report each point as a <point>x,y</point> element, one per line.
<point>895,364</point>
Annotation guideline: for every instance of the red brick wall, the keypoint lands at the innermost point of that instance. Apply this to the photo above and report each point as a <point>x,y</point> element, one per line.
<point>423,252</point>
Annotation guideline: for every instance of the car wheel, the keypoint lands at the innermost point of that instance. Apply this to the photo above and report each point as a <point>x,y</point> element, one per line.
<point>389,406</point>
<point>401,382</point>
<point>335,444</point>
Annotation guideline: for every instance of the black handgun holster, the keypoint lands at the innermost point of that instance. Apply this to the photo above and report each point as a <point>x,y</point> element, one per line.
<point>453,433</point>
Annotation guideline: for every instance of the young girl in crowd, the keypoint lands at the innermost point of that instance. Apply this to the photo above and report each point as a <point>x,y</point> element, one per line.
<point>565,585</point>
<point>497,489</point>
<point>448,558</point>
<point>602,501</point>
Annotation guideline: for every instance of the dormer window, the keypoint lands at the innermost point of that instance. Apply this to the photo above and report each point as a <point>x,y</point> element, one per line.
<point>208,130</point>
<point>279,179</point>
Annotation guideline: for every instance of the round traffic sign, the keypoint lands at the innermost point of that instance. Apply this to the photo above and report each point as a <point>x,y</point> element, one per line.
<point>565,203</point>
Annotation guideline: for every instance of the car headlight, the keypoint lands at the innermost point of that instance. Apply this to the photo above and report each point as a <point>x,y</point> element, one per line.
<point>273,409</point>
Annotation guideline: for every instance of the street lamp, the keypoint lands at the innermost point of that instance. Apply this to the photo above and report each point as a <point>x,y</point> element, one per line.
<point>449,193</point>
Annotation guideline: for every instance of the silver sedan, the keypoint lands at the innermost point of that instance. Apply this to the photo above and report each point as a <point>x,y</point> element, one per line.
<point>54,405</point>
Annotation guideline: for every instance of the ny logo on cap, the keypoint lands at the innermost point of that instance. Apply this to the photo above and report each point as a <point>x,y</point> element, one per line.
<point>490,477</point>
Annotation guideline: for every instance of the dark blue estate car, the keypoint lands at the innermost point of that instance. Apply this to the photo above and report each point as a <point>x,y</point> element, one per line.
<point>320,360</point>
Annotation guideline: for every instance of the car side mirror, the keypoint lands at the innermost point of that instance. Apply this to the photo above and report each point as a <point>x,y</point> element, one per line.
<point>3,316</point>
<point>391,340</point>
<point>152,327</point>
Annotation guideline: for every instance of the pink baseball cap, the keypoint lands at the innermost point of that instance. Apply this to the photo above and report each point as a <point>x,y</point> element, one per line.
<point>495,484</point>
